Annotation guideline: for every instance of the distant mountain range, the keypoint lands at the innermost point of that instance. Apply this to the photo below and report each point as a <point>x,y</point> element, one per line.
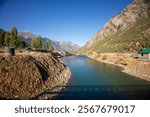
<point>55,45</point>
<point>128,31</point>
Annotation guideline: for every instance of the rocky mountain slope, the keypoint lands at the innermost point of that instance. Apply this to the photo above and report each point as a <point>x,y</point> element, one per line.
<point>68,46</point>
<point>56,46</point>
<point>117,32</point>
<point>26,36</point>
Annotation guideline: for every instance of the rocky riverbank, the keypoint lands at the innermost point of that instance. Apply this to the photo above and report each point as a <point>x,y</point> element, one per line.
<point>29,75</point>
<point>130,65</point>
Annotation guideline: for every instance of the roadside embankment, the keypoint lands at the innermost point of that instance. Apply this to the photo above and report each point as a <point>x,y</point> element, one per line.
<point>29,75</point>
<point>130,65</point>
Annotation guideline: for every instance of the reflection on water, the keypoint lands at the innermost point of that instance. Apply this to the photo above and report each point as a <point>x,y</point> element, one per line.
<point>88,72</point>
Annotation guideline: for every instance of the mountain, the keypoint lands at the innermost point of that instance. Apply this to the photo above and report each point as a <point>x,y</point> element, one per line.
<point>1,30</point>
<point>126,32</point>
<point>68,46</point>
<point>62,45</point>
<point>55,45</point>
<point>26,36</point>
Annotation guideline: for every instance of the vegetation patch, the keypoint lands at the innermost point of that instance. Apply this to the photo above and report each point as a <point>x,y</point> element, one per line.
<point>132,39</point>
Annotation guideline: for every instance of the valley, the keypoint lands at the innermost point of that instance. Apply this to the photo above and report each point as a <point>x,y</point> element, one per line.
<point>114,64</point>
<point>121,39</point>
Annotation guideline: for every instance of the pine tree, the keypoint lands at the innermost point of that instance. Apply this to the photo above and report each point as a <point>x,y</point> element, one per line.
<point>22,44</point>
<point>13,33</point>
<point>32,43</point>
<point>7,39</point>
<point>48,45</point>
<point>2,34</point>
<point>39,42</point>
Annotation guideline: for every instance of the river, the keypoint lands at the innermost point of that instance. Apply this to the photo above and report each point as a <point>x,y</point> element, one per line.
<point>92,79</point>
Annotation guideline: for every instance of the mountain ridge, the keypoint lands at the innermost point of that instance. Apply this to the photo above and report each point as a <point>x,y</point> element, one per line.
<point>55,45</point>
<point>135,11</point>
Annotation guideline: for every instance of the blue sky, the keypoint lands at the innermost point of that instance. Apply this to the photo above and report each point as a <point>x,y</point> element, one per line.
<point>61,20</point>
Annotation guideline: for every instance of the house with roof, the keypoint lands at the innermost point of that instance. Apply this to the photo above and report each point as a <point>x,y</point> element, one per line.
<point>144,54</point>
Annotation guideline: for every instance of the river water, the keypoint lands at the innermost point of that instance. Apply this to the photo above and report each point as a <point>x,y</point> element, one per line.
<point>92,79</point>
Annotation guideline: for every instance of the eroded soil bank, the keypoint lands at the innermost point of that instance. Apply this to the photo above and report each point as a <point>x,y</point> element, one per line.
<point>130,65</point>
<point>29,75</point>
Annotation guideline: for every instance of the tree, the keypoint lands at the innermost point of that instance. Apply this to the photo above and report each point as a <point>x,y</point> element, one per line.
<point>12,42</point>
<point>14,37</point>
<point>33,42</point>
<point>48,45</point>
<point>20,43</point>
<point>2,34</point>
<point>45,46</point>
<point>7,39</point>
<point>39,42</point>
<point>14,32</point>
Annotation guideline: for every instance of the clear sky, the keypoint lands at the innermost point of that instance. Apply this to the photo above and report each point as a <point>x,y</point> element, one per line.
<point>60,20</point>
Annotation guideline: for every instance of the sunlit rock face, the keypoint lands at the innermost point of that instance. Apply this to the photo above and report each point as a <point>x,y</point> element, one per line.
<point>137,10</point>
